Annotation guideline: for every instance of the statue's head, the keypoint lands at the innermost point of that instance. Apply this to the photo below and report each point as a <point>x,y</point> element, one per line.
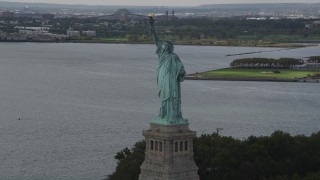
<point>167,46</point>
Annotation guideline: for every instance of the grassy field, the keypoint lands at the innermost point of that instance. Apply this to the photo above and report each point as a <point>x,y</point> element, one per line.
<point>256,74</point>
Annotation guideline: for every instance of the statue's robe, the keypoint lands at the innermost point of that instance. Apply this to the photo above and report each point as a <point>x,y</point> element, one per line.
<point>170,73</point>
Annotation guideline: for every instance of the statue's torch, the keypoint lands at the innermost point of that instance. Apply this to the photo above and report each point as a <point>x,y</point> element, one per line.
<point>151,17</point>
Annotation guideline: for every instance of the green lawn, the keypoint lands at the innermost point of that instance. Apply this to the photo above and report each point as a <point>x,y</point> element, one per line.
<point>256,73</point>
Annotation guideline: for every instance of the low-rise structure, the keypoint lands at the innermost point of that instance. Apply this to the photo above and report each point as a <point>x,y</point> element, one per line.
<point>7,14</point>
<point>48,16</point>
<point>89,33</point>
<point>71,33</point>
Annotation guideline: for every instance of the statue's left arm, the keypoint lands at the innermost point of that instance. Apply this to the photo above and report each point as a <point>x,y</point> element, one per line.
<point>181,71</point>
<point>182,74</point>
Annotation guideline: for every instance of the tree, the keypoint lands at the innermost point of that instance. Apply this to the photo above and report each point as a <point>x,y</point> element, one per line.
<point>314,59</point>
<point>265,63</point>
<point>129,162</point>
<point>278,156</point>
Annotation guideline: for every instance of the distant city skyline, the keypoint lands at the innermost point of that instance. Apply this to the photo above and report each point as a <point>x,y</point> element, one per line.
<point>160,2</point>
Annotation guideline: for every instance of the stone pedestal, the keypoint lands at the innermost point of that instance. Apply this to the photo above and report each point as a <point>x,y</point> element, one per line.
<point>169,153</point>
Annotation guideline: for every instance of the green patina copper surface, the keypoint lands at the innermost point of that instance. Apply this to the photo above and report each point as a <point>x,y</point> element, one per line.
<point>170,72</point>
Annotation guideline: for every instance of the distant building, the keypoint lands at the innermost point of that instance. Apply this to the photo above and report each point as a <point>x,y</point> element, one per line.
<point>29,14</point>
<point>32,28</point>
<point>89,33</point>
<point>71,33</point>
<point>48,16</point>
<point>316,23</point>
<point>7,14</point>
<point>261,18</point>
<point>275,18</point>
<point>308,26</point>
<point>313,24</point>
<point>167,15</point>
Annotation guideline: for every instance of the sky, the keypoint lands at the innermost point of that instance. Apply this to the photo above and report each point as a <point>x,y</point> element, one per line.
<point>161,2</point>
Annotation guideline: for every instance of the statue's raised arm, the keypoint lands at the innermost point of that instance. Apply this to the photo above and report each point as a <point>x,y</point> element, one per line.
<point>152,30</point>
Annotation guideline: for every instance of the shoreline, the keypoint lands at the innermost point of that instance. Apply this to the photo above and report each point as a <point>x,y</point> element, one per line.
<point>309,80</point>
<point>257,52</point>
<point>279,45</point>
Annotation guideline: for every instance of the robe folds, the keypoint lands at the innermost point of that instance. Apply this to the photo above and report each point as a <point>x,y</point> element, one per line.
<point>170,72</point>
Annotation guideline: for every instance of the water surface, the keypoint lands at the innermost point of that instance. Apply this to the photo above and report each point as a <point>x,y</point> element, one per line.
<point>79,104</point>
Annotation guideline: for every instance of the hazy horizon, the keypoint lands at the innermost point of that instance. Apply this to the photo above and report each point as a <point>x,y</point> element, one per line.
<point>158,3</point>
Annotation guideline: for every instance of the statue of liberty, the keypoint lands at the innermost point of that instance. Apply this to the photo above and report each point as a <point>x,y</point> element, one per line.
<point>170,72</point>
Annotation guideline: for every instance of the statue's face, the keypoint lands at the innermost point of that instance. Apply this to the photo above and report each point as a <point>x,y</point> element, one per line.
<point>166,46</point>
